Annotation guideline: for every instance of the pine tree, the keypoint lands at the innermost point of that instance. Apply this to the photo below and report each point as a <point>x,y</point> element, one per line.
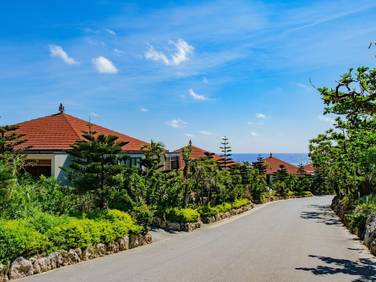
<point>226,152</point>
<point>97,159</point>
<point>11,140</point>
<point>260,165</point>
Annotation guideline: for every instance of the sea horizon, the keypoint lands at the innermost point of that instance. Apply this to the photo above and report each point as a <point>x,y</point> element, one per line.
<point>292,158</point>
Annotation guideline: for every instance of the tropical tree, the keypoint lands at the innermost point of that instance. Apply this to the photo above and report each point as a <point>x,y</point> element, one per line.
<point>97,160</point>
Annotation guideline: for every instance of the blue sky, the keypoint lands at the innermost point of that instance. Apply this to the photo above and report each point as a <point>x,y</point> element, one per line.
<point>178,70</point>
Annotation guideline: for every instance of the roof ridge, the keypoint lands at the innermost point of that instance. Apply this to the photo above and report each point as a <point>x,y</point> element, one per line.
<point>71,126</point>
<point>281,161</point>
<point>34,119</point>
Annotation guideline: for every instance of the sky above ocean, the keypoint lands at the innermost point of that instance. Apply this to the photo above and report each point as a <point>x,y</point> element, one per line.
<point>178,70</point>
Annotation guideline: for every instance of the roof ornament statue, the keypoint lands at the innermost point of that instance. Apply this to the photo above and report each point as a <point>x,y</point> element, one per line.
<point>61,108</point>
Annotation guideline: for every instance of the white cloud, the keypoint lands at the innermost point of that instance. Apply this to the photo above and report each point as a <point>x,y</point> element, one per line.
<point>118,52</point>
<point>205,132</point>
<point>104,65</point>
<point>155,55</point>
<point>261,116</point>
<point>144,110</point>
<point>177,123</point>
<point>58,52</point>
<point>326,119</point>
<point>196,96</point>
<point>254,134</point>
<point>190,135</point>
<point>94,114</point>
<point>183,51</point>
<point>110,31</point>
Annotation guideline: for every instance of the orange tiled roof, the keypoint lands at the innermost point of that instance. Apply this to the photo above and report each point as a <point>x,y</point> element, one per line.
<point>309,168</point>
<point>273,164</point>
<point>198,153</point>
<point>60,131</point>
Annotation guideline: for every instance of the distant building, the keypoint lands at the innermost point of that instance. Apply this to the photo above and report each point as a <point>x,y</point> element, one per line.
<point>273,164</point>
<point>309,169</point>
<point>49,138</point>
<point>199,153</point>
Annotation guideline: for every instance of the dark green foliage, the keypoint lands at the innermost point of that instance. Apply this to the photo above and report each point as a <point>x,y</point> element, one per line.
<point>96,163</point>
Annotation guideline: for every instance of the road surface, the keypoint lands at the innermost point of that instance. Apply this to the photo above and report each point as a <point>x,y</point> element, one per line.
<point>292,240</point>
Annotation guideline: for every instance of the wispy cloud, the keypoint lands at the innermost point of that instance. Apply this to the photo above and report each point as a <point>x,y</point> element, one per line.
<point>205,132</point>
<point>110,31</point>
<point>144,110</point>
<point>196,96</point>
<point>253,133</point>
<point>261,116</point>
<point>177,123</point>
<point>104,65</point>
<point>58,52</point>
<point>190,135</point>
<point>182,53</point>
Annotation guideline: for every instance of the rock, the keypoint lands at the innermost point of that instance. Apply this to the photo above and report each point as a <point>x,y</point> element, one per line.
<point>70,257</point>
<point>370,233</point>
<point>101,249</point>
<point>21,267</point>
<point>112,248</point>
<point>4,272</point>
<point>55,260</point>
<point>148,239</point>
<point>174,226</point>
<point>123,243</point>
<point>36,267</point>
<point>89,253</point>
<point>134,241</point>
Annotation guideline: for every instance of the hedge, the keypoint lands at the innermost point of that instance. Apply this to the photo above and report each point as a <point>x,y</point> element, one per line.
<point>208,210</point>
<point>182,215</point>
<point>46,233</point>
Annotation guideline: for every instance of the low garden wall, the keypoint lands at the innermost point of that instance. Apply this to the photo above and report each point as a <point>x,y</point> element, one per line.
<point>22,267</point>
<point>358,222</point>
<point>230,213</point>
<point>176,226</point>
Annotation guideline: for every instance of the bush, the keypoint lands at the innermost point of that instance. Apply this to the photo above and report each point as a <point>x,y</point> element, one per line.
<point>18,238</point>
<point>43,221</point>
<point>240,203</point>
<point>182,215</point>
<point>76,233</point>
<point>143,215</point>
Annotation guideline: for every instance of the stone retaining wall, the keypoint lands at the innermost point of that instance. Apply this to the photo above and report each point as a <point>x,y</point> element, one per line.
<point>22,267</point>
<point>369,236</point>
<point>176,226</point>
<point>230,213</point>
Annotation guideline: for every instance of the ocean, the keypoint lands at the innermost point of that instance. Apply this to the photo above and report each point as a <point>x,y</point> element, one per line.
<point>292,158</point>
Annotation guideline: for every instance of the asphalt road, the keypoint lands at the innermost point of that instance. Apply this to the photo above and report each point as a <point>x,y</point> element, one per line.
<point>292,240</point>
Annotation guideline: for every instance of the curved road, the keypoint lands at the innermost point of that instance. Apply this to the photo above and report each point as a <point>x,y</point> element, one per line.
<point>292,240</point>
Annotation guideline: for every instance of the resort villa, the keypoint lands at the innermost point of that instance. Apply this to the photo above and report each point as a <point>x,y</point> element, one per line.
<point>49,138</point>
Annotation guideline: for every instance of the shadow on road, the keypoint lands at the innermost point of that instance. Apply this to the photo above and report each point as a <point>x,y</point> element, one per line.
<point>365,268</point>
<point>322,214</point>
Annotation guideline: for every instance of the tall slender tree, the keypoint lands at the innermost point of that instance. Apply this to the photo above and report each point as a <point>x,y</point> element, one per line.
<point>97,159</point>
<point>226,152</point>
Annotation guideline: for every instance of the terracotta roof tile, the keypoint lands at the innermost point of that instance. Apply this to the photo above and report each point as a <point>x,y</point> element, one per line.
<point>273,164</point>
<point>60,131</point>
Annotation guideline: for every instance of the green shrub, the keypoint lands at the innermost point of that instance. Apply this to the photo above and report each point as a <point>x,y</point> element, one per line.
<point>240,203</point>
<point>182,215</point>
<point>42,222</point>
<point>18,238</point>
<point>76,233</point>
<point>143,215</point>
